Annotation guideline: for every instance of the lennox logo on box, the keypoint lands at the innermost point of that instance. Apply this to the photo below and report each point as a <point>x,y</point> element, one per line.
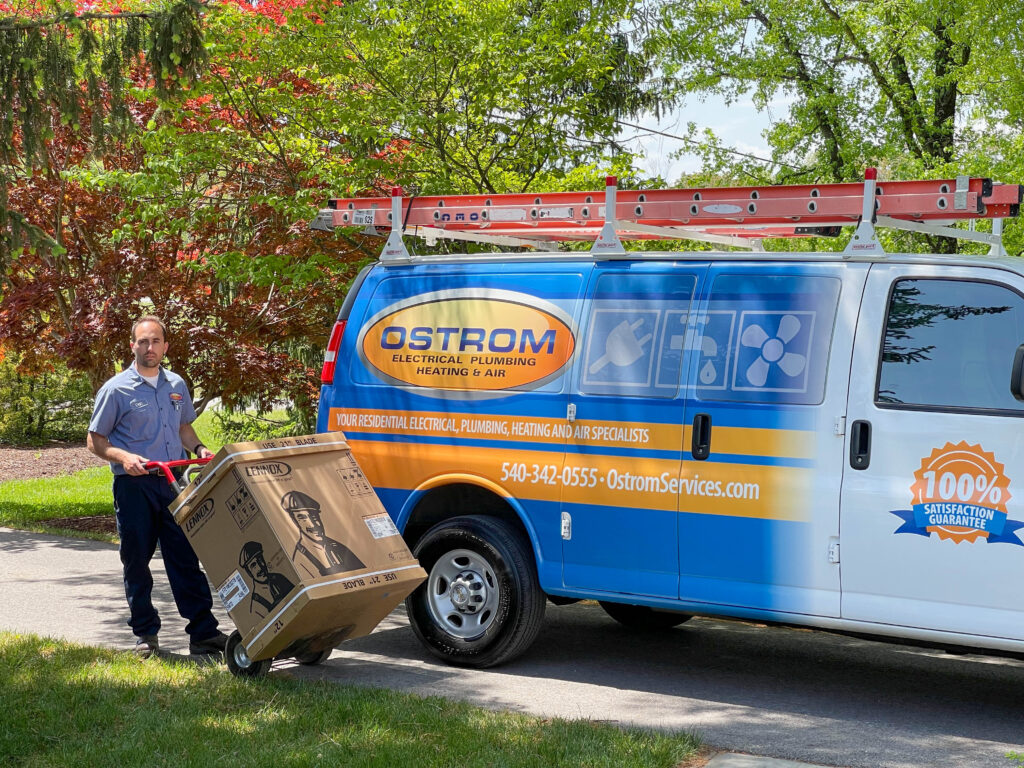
<point>202,514</point>
<point>267,470</point>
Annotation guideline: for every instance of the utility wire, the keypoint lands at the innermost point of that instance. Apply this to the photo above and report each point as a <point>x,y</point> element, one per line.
<point>694,142</point>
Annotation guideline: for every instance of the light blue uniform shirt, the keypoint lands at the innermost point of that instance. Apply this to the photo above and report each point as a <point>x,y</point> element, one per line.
<point>142,419</point>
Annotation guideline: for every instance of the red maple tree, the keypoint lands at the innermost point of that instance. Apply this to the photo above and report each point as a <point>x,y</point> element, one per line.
<point>229,339</point>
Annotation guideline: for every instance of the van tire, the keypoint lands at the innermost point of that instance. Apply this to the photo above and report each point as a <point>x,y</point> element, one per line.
<point>642,617</point>
<point>481,604</point>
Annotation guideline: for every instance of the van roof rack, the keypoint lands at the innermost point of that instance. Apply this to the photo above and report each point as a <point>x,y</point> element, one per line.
<point>734,216</point>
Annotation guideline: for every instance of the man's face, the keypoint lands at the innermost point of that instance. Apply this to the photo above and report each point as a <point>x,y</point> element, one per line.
<point>149,345</point>
<point>309,523</point>
<point>257,568</point>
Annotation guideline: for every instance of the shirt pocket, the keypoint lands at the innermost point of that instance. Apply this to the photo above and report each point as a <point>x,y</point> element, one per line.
<point>172,408</point>
<point>141,422</point>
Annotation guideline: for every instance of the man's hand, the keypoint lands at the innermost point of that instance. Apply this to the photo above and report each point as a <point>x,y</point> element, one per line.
<point>134,464</point>
<point>204,453</point>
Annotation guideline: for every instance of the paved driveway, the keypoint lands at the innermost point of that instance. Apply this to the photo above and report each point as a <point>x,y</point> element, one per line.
<point>788,693</point>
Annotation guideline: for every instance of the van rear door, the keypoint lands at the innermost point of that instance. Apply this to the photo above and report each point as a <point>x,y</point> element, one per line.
<point>933,489</point>
<point>759,491</point>
<point>619,482</point>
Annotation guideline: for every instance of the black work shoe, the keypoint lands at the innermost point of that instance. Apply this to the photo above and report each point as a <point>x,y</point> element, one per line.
<point>147,646</point>
<point>213,644</point>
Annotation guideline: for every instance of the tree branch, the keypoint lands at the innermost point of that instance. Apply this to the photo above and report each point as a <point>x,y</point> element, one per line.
<point>909,116</point>
<point>13,22</point>
<point>808,85</point>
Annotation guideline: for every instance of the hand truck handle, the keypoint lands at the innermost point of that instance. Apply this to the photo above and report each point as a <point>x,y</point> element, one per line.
<point>166,466</point>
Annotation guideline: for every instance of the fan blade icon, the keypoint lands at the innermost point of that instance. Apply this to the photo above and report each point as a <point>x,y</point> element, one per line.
<point>792,364</point>
<point>773,350</point>
<point>757,373</point>
<point>753,336</point>
<point>789,327</point>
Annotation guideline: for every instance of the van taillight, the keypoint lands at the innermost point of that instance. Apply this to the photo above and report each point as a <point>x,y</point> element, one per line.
<point>331,358</point>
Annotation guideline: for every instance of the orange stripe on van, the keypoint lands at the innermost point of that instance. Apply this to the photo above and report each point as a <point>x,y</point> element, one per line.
<point>742,441</point>
<point>733,490</point>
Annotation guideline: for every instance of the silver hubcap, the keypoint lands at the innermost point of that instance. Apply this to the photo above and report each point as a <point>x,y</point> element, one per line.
<point>242,659</point>
<point>463,593</point>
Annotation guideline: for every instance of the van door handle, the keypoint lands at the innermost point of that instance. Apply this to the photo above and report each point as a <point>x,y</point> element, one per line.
<point>700,445</point>
<point>860,444</point>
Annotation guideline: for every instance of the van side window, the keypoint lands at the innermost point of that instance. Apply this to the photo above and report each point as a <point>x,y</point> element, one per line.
<point>950,343</point>
<point>634,342</point>
<point>766,338</point>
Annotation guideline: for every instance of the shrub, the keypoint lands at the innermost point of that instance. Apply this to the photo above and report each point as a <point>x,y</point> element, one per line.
<point>50,403</point>
<point>245,426</point>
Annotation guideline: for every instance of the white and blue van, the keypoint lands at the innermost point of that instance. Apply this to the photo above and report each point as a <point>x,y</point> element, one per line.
<point>833,440</point>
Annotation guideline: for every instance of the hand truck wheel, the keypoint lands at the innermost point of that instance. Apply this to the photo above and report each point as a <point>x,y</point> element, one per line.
<point>314,658</point>
<point>239,663</point>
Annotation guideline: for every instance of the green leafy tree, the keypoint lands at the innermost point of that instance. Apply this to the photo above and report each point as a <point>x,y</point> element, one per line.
<point>919,88</point>
<point>117,258</point>
<point>440,95</point>
<point>42,401</point>
<point>487,96</point>
<point>199,207</point>
<point>179,211</point>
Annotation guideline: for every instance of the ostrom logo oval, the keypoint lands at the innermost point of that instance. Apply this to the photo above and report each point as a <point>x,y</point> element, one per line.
<point>469,340</point>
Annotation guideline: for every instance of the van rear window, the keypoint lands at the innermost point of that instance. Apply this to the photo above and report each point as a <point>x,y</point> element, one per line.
<point>766,338</point>
<point>950,344</point>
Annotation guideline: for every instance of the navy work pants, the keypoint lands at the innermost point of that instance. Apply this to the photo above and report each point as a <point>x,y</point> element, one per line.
<point>143,520</point>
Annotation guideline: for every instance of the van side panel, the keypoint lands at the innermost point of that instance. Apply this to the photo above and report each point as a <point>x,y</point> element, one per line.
<point>454,374</point>
<point>593,447</point>
<point>628,391</point>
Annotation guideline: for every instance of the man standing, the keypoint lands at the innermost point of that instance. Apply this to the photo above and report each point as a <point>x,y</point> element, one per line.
<point>142,414</point>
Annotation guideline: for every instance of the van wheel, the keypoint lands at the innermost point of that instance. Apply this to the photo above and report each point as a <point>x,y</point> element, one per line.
<point>481,604</point>
<point>642,617</point>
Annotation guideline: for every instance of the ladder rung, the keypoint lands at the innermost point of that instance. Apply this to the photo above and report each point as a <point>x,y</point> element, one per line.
<point>746,212</point>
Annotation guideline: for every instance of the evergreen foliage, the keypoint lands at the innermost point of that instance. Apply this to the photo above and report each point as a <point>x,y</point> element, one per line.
<point>62,66</point>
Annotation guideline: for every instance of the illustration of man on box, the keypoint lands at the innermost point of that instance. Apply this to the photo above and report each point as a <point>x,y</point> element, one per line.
<point>268,588</point>
<point>316,554</point>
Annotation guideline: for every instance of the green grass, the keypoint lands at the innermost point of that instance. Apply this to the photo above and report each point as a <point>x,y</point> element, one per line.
<point>204,427</point>
<point>68,705</point>
<point>25,504</point>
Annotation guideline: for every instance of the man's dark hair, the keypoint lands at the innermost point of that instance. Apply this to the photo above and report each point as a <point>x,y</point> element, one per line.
<point>149,319</point>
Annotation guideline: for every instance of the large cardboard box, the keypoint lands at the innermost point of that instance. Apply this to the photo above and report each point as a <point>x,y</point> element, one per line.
<point>303,553</point>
